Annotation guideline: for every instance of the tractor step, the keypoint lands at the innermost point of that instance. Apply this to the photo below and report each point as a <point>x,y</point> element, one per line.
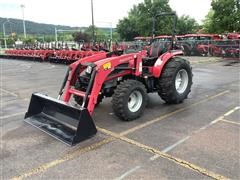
<point>77,92</point>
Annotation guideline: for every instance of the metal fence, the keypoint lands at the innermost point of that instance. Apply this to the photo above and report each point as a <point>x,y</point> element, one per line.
<point>216,48</point>
<point>219,48</point>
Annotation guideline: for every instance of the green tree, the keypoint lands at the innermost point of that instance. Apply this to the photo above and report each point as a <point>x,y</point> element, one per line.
<point>186,25</point>
<point>116,35</point>
<point>101,34</point>
<point>139,21</point>
<point>146,11</point>
<point>81,36</point>
<point>127,29</point>
<point>48,38</point>
<point>10,42</point>
<point>223,17</point>
<point>98,33</point>
<point>208,22</point>
<point>29,40</point>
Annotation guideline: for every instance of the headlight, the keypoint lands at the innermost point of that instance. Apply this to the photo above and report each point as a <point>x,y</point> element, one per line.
<point>89,69</point>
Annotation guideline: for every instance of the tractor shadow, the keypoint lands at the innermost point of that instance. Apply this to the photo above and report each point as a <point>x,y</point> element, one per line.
<point>104,116</point>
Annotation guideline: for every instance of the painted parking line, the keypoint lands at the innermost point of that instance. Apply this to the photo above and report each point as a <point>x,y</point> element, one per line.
<point>167,149</point>
<point>231,122</point>
<point>14,101</point>
<point>66,157</point>
<point>12,115</point>
<point>231,111</point>
<point>8,92</point>
<point>154,151</point>
<point>128,173</point>
<point>131,130</point>
<point>224,117</point>
<point>48,165</point>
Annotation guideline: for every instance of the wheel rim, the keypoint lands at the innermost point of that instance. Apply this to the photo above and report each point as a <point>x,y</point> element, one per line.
<point>135,101</point>
<point>181,81</point>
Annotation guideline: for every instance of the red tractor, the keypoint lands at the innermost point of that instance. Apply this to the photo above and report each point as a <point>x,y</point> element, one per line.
<point>233,36</point>
<point>127,78</point>
<point>165,41</point>
<point>233,49</point>
<point>143,41</point>
<point>200,44</point>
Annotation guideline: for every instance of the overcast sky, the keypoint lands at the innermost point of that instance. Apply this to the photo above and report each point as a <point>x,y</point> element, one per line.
<point>78,12</point>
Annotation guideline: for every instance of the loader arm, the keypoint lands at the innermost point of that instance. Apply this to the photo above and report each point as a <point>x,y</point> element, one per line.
<point>102,73</point>
<point>75,69</point>
<point>104,69</point>
<point>58,118</point>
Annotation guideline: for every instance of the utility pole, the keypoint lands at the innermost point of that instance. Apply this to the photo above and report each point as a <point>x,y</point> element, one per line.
<point>93,32</point>
<point>24,28</point>
<point>4,35</point>
<point>56,38</point>
<point>111,36</point>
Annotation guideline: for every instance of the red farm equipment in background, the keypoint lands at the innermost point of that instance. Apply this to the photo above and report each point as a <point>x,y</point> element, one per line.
<point>232,50</point>
<point>200,44</point>
<point>66,56</point>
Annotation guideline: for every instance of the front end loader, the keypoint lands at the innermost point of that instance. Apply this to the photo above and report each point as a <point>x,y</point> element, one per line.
<point>127,78</point>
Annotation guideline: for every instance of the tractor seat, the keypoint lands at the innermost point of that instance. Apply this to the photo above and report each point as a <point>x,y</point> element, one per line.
<point>155,51</point>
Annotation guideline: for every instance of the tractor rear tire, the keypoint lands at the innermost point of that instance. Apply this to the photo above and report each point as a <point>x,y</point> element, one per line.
<point>175,81</point>
<point>129,100</point>
<point>186,49</point>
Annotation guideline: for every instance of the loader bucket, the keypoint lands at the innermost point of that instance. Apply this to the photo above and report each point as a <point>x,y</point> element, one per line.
<point>66,123</point>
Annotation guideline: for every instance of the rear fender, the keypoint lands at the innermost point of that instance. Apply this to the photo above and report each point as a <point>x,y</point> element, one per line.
<point>162,60</point>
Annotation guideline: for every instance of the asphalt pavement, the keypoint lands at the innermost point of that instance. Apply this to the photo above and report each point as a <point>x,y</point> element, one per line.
<point>197,139</point>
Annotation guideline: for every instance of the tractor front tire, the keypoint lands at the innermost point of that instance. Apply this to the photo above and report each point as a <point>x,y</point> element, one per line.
<point>129,100</point>
<point>175,81</point>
